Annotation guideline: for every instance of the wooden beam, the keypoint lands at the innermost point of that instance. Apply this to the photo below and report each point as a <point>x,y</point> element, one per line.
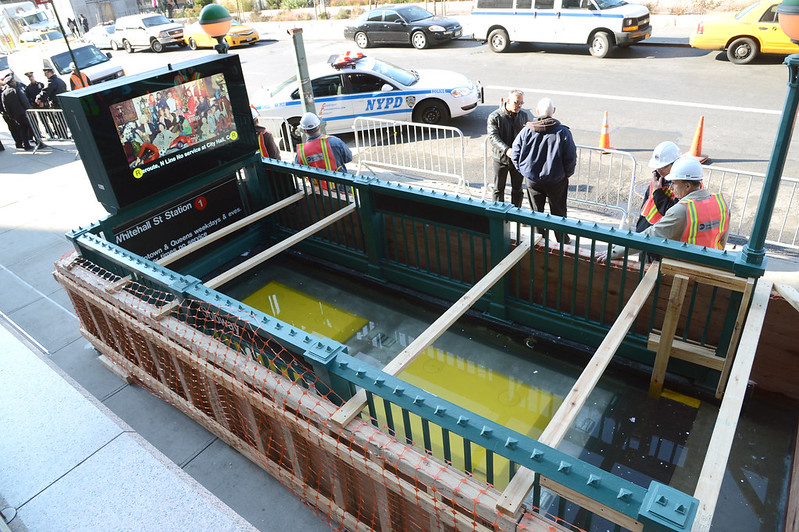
<point>673,310</point>
<point>696,354</point>
<point>522,482</point>
<point>216,235</point>
<point>279,247</point>
<point>789,293</point>
<point>353,407</point>
<point>704,274</point>
<point>712,475</point>
<point>614,516</point>
<point>736,334</point>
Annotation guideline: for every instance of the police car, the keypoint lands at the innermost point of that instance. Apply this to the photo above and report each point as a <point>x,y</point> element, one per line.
<point>353,85</point>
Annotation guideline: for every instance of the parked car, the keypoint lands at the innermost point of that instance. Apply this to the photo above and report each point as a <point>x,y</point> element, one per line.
<point>148,31</point>
<point>35,38</point>
<point>103,36</point>
<point>349,86</point>
<point>238,35</point>
<point>402,25</point>
<point>97,65</point>
<point>751,31</point>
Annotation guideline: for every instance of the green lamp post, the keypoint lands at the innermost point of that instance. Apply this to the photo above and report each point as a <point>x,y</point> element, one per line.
<point>753,253</point>
<point>215,22</point>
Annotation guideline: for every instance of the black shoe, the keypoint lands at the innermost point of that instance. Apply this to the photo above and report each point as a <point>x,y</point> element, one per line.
<point>27,147</point>
<point>19,146</point>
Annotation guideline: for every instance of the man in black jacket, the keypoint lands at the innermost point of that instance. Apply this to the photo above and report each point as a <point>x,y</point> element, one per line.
<point>503,125</point>
<point>55,86</point>
<point>33,89</point>
<point>15,104</point>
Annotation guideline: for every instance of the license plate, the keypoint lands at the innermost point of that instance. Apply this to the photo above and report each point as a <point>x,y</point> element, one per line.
<point>458,33</point>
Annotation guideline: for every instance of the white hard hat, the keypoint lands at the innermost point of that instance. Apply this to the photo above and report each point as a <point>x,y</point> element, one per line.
<point>686,169</point>
<point>72,66</point>
<point>309,122</point>
<point>664,154</point>
<point>254,112</point>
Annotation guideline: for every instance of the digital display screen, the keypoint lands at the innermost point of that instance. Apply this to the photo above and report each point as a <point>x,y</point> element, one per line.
<point>162,127</point>
<point>151,135</point>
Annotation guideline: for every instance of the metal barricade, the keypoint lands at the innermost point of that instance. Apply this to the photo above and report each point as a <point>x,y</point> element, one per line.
<point>436,152</point>
<point>281,131</point>
<point>603,180</point>
<point>742,191</point>
<point>48,124</point>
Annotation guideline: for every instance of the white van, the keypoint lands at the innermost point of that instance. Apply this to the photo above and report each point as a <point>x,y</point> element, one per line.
<point>601,24</point>
<point>151,31</point>
<point>95,64</point>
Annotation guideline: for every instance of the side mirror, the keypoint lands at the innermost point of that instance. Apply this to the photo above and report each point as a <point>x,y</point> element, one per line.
<point>386,88</point>
<point>108,55</point>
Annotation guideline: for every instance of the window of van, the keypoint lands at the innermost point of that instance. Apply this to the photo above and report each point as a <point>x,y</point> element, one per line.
<point>86,56</point>
<point>155,20</point>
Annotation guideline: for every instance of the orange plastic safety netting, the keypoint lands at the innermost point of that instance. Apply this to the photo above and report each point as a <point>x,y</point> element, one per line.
<point>220,368</point>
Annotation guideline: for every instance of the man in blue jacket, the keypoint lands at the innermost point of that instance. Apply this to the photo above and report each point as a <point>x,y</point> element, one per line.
<point>545,154</point>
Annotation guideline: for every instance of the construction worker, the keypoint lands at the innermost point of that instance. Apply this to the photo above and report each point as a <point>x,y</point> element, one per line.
<point>321,151</point>
<point>659,197</point>
<point>266,142</point>
<point>699,217</point>
<point>77,80</point>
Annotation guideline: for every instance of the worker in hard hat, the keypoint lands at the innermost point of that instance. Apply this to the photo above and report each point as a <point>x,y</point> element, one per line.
<point>699,217</point>
<point>77,80</point>
<point>321,151</point>
<point>658,197</point>
<point>266,142</point>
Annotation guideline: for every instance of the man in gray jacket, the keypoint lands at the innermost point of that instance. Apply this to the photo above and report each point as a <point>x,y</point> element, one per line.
<point>503,125</point>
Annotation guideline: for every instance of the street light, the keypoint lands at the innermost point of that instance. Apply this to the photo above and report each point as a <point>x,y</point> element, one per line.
<point>215,22</point>
<point>753,253</point>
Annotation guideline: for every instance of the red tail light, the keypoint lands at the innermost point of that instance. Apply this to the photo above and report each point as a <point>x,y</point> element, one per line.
<point>700,28</point>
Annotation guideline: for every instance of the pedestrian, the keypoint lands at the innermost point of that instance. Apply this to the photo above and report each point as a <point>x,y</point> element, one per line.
<point>658,197</point>
<point>503,125</point>
<point>77,80</point>
<point>73,26</point>
<point>321,151</point>
<point>33,89</point>
<point>699,217</point>
<point>545,154</point>
<point>15,104</point>
<point>83,22</point>
<point>266,142</point>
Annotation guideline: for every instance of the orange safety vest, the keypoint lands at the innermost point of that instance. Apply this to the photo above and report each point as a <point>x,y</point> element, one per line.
<point>78,82</point>
<point>262,145</point>
<point>649,210</point>
<point>707,221</point>
<point>317,153</point>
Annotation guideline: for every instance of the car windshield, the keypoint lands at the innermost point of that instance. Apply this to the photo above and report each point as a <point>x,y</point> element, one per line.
<point>3,62</point>
<point>742,13</point>
<point>607,4</point>
<point>413,13</point>
<point>283,85</point>
<point>85,57</point>
<point>155,20</point>
<point>52,35</point>
<point>398,74</point>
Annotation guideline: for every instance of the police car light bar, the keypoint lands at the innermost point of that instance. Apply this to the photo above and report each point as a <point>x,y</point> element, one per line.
<point>346,59</point>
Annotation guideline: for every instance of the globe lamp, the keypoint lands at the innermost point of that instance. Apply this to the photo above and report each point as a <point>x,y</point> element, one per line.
<point>215,22</point>
<point>788,15</point>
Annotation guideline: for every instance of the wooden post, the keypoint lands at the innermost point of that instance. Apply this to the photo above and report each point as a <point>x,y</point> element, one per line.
<point>353,407</point>
<point>673,310</point>
<point>522,482</point>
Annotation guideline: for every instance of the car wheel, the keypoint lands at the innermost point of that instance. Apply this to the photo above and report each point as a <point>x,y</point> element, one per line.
<point>434,112</point>
<point>128,47</point>
<point>192,43</point>
<point>498,40</point>
<point>600,45</point>
<point>156,46</point>
<point>742,51</point>
<point>362,40</point>
<point>114,46</point>
<point>419,40</point>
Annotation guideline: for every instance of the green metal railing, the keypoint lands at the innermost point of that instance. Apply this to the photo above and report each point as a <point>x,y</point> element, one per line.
<point>440,245</point>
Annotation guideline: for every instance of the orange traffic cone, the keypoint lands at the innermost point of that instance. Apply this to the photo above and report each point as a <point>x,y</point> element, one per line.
<point>696,145</point>
<point>604,137</point>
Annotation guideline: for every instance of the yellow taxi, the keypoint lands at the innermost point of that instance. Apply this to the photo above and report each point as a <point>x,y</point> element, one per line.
<point>238,35</point>
<point>751,31</point>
